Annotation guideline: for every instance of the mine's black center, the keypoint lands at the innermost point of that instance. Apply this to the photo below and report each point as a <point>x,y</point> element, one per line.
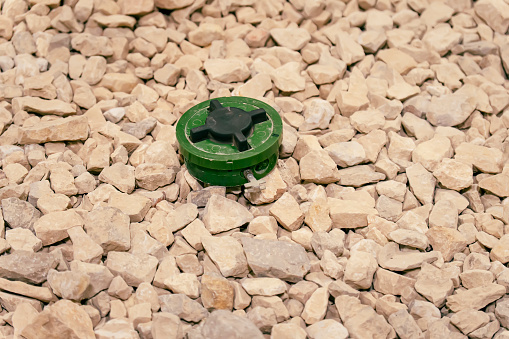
<point>228,125</point>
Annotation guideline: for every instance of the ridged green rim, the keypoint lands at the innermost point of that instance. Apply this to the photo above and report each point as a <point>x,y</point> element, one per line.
<point>238,160</point>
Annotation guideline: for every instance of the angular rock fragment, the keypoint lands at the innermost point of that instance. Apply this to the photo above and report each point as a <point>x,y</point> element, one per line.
<point>318,167</point>
<point>475,298</point>
<point>27,266</point>
<point>454,174</point>
<point>65,129</point>
<point>52,227</point>
<point>119,175</point>
<point>64,316</point>
<point>38,105</point>
<point>18,213</point>
<point>292,38</point>
<point>109,228</point>
<point>360,269</point>
<point>135,206</point>
<point>216,292</point>
<point>223,323</point>
<point>361,320</point>
<point>68,285</point>
<point>287,212</point>
<point>269,258</point>
<point>222,214</point>
<point>446,240</point>
<point>349,213</point>
<point>134,269</point>
<point>391,258</point>
<point>227,254</point>
<point>223,70</point>
<point>183,307</point>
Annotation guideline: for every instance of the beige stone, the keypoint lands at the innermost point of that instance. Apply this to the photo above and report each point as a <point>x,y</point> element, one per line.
<point>316,306</point>
<point>67,316</point>
<point>500,251</point>
<point>318,167</point>
<point>391,258</point>
<point>317,114</point>
<point>484,158</point>
<point>275,187</point>
<point>469,320</point>
<point>454,174</point>
<point>205,34</point>
<point>66,129</point>
<point>475,278</point>
<point>119,175</point>
<point>278,259</point>
<point>230,263</point>
<point>28,290</point>
<point>257,86</point>
<point>443,214</point>
<point>397,59</point>
<point>317,216</point>
<point>360,269</point>
<point>68,284</point>
<point>216,292</point>
<point>135,206</point>
<point>494,14</point>
<point>108,227</point>
<point>405,325</point>
<point>409,238</point>
<point>388,282</point>
<point>349,213</point>
<point>434,284</point>
<point>447,240</point>
<point>361,320</point>
<point>226,70</point>
<point>287,212</point>
<point>497,184</point>
<point>134,269</point>
<point>475,298</point>
<point>287,77</point>
<point>422,183</point>
<point>119,82</point>
<point>348,49</point>
<point>222,214</point>
<point>53,227</point>
<point>84,247</point>
<point>184,283</point>
<point>327,328</point>
<point>323,74</point>
<point>41,106</point>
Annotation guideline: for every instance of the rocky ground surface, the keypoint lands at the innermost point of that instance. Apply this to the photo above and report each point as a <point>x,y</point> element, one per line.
<point>387,215</point>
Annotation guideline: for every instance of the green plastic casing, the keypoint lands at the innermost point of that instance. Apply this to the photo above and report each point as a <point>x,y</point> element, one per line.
<point>222,164</point>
